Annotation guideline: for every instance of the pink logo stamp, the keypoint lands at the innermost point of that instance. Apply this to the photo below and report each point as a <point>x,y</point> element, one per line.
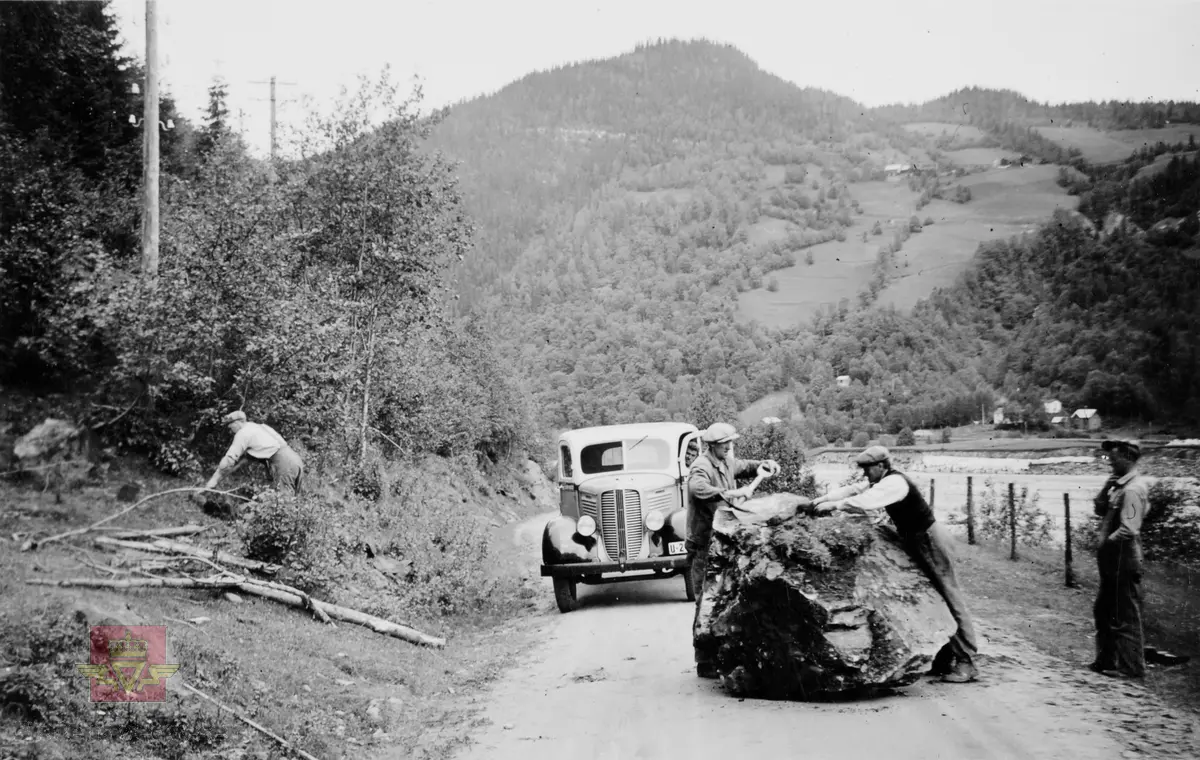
<point>128,663</point>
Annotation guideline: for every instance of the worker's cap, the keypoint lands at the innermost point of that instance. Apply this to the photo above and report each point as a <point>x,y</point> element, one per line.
<point>872,455</point>
<point>232,417</point>
<point>1129,448</point>
<point>720,432</point>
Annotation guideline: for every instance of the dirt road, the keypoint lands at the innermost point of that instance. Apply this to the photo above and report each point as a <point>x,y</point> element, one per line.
<point>615,679</point>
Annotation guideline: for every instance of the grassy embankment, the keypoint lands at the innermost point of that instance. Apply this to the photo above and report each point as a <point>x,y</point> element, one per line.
<point>334,692</point>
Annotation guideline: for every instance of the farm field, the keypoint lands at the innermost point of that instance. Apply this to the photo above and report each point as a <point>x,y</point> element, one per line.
<point>1104,147</point>
<point>961,133</point>
<point>1005,202</point>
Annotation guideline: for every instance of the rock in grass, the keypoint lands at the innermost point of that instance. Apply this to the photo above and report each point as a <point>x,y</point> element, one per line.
<point>801,607</point>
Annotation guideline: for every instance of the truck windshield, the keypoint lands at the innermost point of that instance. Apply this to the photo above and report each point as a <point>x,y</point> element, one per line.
<point>614,456</point>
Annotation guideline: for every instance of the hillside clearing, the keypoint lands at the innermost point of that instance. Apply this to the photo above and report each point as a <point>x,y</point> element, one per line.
<point>1005,202</point>
<point>1100,146</point>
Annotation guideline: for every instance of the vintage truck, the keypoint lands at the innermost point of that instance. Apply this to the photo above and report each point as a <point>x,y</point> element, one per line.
<point>623,504</point>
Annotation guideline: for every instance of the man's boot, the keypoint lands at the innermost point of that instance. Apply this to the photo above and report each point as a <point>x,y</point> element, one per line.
<point>962,672</point>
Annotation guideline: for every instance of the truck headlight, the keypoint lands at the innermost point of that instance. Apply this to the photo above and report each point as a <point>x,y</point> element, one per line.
<point>586,526</point>
<point>655,519</point>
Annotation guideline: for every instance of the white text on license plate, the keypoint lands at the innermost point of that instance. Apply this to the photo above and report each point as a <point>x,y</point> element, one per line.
<point>675,547</point>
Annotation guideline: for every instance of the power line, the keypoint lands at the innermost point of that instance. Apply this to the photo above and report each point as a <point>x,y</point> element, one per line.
<point>272,82</point>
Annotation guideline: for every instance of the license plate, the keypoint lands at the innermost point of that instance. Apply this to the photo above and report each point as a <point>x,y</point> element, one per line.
<point>675,547</point>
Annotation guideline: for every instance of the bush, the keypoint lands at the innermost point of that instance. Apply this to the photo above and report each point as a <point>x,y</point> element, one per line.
<point>1171,530</point>
<point>785,446</point>
<point>945,435</point>
<point>860,439</point>
<point>773,284</point>
<point>928,220</point>
<point>992,518</point>
<point>297,533</point>
<point>906,438</point>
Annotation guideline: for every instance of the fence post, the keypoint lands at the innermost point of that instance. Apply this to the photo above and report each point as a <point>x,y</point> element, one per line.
<point>1012,521</point>
<point>931,493</point>
<point>1068,556</point>
<point>970,515</point>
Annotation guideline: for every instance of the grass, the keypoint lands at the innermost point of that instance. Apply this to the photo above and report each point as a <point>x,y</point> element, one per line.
<point>335,692</point>
<point>1005,202</point>
<point>1029,596</point>
<point>1100,146</point>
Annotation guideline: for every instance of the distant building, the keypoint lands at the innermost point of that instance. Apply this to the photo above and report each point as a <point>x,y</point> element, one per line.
<point>1059,421</point>
<point>1088,419</point>
<point>843,381</point>
<point>771,420</point>
<point>998,416</point>
<point>895,170</point>
<point>1052,406</point>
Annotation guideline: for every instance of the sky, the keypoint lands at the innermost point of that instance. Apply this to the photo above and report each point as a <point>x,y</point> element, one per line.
<point>874,51</point>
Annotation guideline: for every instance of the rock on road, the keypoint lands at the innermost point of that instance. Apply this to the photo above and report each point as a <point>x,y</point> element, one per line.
<point>615,679</point>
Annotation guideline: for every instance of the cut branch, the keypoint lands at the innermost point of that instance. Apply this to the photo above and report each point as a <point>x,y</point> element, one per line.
<point>282,742</point>
<point>32,544</point>
<point>257,588</point>
<point>166,546</point>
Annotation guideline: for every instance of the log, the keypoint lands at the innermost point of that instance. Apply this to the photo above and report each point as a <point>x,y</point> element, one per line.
<point>807,608</point>
<point>273,591</point>
<point>182,530</point>
<point>167,546</point>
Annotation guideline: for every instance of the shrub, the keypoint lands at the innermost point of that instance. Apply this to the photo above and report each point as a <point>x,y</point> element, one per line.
<point>808,257</point>
<point>992,516</point>
<point>906,438</point>
<point>860,439</point>
<point>1171,529</point>
<point>945,435</point>
<point>773,284</point>
<point>785,446</point>
<point>297,533</point>
<point>928,220</point>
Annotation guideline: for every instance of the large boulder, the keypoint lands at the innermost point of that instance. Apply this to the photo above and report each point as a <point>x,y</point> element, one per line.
<point>803,607</point>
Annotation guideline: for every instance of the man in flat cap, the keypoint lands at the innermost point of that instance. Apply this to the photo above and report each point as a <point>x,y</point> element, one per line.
<point>1121,507</point>
<point>254,440</point>
<point>925,541</point>
<point>712,483</point>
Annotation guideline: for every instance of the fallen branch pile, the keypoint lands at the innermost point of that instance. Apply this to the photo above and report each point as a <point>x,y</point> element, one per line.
<point>147,550</point>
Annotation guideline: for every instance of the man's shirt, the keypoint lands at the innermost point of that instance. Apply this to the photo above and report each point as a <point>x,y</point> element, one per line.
<point>1129,500</point>
<point>256,440</point>
<point>889,490</point>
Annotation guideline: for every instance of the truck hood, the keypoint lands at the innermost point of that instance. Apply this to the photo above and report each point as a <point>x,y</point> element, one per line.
<point>642,481</point>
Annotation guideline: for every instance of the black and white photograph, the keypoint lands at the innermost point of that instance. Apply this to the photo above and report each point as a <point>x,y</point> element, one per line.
<point>536,380</point>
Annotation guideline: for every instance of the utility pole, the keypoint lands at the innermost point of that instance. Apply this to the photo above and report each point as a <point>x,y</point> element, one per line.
<point>273,118</point>
<point>274,121</point>
<point>150,146</point>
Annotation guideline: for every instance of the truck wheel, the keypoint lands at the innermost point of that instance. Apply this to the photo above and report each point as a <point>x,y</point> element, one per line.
<point>564,594</point>
<point>688,587</point>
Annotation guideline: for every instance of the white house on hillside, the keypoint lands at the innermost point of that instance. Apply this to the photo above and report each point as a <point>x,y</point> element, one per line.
<point>1052,406</point>
<point>1088,419</point>
<point>843,381</point>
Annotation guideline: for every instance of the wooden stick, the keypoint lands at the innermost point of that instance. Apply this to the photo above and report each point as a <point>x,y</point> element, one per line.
<point>255,588</point>
<point>166,546</point>
<point>182,530</point>
<point>282,742</point>
<point>32,544</point>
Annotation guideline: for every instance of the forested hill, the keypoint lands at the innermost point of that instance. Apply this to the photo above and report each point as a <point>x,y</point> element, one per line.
<point>622,205</point>
<point>535,152</point>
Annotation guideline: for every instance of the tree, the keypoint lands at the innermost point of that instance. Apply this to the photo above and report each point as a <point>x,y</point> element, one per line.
<point>906,437</point>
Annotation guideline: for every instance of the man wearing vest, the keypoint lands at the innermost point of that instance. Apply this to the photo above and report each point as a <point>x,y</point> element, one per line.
<point>1121,507</point>
<point>923,538</point>
<point>712,485</point>
<point>254,440</point>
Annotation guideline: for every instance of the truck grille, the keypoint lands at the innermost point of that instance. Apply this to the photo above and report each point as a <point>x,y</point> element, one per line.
<point>621,525</point>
